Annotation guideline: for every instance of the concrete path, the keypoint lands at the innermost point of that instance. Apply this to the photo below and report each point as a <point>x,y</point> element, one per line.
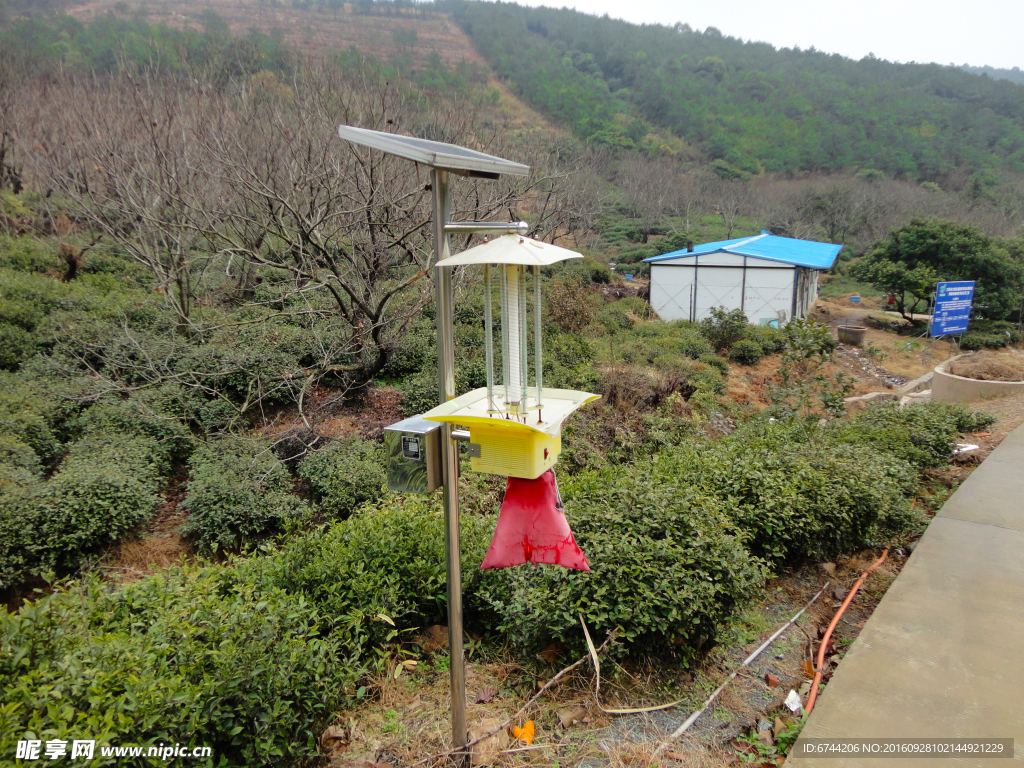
<point>943,653</point>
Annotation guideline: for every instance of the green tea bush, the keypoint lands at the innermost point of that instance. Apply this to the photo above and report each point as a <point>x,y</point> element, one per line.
<point>920,433</point>
<point>708,379</point>
<point>344,475</point>
<point>419,393</point>
<point>171,439</point>
<point>19,524</point>
<point>746,352</point>
<point>26,254</point>
<point>413,351</point>
<point>238,492</point>
<point>771,340</point>
<point>16,344</point>
<point>103,489</point>
<point>714,361</point>
<point>625,313</point>
<point>724,328</point>
<point>796,501</point>
<point>388,559</point>
<point>668,568</point>
<point>691,345</point>
<point>181,657</point>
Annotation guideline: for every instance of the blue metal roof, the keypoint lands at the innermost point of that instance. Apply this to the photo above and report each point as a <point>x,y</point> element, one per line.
<point>787,250</point>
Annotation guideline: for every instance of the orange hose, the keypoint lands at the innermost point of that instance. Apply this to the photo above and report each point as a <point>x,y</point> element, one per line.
<point>831,627</point>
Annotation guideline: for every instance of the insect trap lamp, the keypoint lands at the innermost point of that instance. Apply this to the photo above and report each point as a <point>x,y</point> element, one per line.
<point>516,429</point>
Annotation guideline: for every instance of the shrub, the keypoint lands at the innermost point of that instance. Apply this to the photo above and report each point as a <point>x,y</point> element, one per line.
<point>171,438</point>
<point>388,559</point>
<point>920,433</point>
<point>714,361</point>
<point>667,568</point>
<point>625,313</point>
<point>723,328</point>
<point>254,673</point>
<point>26,254</point>
<point>570,306</point>
<point>238,491</point>
<point>708,379</point>
<point>19,523</point>
<point>771,340</point>
<point>344,475</point>
<point>105,487</point>
<point>693,346</point>
<point>16,344</point>
<point>419,393</point>
<point>746,352</point>
<point>413,351</point>
<point>795,500</point>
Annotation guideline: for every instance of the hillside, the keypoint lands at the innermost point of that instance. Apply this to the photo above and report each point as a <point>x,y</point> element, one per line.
<point>748,104</point>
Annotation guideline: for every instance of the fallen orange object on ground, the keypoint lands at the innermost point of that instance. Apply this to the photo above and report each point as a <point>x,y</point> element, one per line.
<point>525,733</point>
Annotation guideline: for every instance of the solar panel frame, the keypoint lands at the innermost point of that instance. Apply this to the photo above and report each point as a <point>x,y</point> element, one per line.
<point>436,154</point>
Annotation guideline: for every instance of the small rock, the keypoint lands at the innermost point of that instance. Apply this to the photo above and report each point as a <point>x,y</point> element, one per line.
<point>763,726</point>
<point>829,568</point>
<point>911,547</point>
<point>488,750</point>
<point>570,715</point>
<point>771,680</point>
<point>778,728</point>
<point>766,737</point>
<point>434,639</point>
<point>805,687</point>
<point>839,594</point>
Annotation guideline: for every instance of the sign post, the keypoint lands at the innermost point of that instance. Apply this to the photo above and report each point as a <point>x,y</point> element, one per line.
<point>952,310</point>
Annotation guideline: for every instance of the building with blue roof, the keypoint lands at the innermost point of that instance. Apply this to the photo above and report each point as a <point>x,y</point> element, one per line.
<point>772,279</point>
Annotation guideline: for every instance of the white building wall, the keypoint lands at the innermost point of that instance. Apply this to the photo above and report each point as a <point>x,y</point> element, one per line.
<point>682,290</point>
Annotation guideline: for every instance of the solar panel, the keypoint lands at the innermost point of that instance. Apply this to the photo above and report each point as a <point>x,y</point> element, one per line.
<point>437,154</point>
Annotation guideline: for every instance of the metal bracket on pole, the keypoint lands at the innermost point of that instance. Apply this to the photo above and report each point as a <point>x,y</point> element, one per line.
<point>474,227</point>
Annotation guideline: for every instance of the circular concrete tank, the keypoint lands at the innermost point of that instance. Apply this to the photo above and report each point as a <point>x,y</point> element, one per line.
<point>957,389</point>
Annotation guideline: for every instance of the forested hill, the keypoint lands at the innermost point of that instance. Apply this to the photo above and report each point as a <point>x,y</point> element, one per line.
<point>748,104</point>
<point>1015,75</point>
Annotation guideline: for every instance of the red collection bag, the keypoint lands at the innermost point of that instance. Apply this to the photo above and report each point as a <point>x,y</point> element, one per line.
<point>532,527</point>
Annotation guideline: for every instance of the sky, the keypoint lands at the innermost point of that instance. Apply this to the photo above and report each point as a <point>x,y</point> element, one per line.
<point>964,32</point>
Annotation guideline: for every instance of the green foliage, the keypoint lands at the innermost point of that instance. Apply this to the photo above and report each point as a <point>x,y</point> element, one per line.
<point>667,568</point>
<point>625,313</point>
<point>103,489</point>
<point>26,254</point>
<point>795,500</point>
<point>994,334</point>
<point>171,440</point>
<point>771,340</point>
<point>344,475</point>
<point>714,361</point>
<point>183,657</point>
<point>238,492</point>
<point>387,560</point>
<point>916,256</point>
<point>920,433</point>
<point>16,344</point>
<point>806,393</point>
<point>747,105</point>
<point>746,352</point>
<point>724,328</point>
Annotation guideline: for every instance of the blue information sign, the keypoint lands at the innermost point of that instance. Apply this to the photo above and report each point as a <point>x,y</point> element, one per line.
<point>952,307</point>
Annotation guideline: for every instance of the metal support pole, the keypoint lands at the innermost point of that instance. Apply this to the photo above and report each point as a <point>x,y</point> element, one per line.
<point>449,454</point>
<point>537,344</point>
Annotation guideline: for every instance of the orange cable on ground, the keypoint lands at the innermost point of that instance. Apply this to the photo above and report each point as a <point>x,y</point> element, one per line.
<point>812,697</point>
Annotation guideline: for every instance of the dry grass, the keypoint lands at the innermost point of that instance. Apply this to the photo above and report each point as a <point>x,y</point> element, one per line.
<point>990,366</point>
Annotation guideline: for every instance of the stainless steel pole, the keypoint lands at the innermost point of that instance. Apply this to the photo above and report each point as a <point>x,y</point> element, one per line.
<point>450,455</point>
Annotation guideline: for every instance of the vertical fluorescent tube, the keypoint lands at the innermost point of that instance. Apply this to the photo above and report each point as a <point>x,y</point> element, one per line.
<point>538,370</point>
<point>505,361</point>
<point>514,334</point>
<point>524,366</point>
<point>489,337</point>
